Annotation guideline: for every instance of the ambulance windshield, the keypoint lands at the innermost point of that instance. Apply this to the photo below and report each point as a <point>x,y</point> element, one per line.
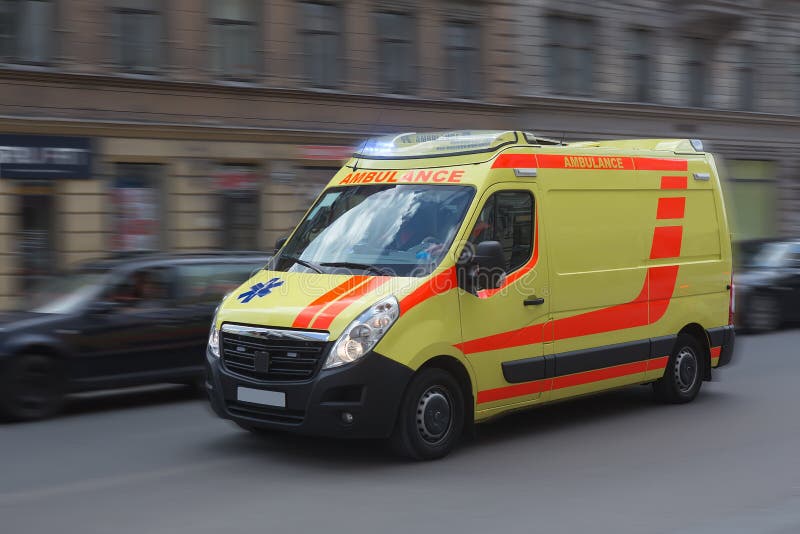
<point>389,229</point>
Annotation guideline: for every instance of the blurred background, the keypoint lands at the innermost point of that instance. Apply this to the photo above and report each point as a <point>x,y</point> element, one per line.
<point>155,125</point>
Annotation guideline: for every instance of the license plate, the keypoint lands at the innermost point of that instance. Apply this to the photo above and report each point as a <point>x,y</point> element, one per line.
<point>261,396</point>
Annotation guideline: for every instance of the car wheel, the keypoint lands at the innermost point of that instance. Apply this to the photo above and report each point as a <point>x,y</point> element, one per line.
<point>763,313</point>
<point>33,389</point>
<point>683,375</point>
<point>431,417</point>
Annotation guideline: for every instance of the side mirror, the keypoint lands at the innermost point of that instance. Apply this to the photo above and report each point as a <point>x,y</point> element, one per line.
<point>482,269</point>
<point>279,244</point>
<point>101,307</point>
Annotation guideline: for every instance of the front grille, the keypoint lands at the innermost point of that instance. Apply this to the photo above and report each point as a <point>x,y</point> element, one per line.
<point>266,413</point>
<point>264,358</point>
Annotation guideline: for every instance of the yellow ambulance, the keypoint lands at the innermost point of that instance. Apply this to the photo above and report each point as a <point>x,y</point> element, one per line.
<point>443,279</point>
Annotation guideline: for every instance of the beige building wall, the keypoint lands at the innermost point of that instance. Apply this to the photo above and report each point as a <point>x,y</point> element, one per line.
<point>8,257</point>
<point>82,217</point>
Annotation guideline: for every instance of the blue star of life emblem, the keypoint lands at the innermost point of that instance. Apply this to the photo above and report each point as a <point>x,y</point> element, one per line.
<point>260,290</point>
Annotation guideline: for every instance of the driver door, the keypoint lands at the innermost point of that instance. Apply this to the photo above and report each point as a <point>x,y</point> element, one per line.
<point>503,329</point>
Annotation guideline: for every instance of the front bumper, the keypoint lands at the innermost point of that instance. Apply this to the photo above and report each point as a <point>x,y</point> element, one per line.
<point>369,389</point>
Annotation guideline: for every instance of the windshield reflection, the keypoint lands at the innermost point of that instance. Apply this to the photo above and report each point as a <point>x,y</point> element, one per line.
<point>402,230</point>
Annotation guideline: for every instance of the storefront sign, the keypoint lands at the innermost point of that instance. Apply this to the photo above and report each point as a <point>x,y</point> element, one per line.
<point>43,157</point>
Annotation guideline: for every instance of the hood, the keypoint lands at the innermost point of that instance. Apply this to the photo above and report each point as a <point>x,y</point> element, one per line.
<point>19,320</point>
<point>756,277</point>
<point>308,300</point>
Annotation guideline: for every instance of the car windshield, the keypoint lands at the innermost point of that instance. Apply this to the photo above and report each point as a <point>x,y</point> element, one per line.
<point>393,230</point>
<point>66,293</point>
<point>771,256</point>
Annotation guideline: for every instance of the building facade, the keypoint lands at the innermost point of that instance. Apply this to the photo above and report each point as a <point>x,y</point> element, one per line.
<point>186,125</point>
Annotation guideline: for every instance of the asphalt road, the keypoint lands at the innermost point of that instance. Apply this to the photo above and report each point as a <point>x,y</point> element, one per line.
<point>152,461</point>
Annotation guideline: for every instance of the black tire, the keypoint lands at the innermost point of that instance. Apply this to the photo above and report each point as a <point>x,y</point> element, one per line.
<point>431,417</point>
<point>683,376</point>
<point>763,313</point>
<point>33,388</point>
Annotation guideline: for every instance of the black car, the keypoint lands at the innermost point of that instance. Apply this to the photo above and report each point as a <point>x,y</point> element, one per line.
<point>113,323</point>
<point>768,287</point>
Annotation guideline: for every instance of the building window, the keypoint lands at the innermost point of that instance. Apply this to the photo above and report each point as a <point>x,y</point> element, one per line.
<point>463,59</point>
<point>137,35</point>
<point>136,199</point>
<point>235,36</point>
<point>571,55</point>
<point>396,52</point>
<point>641,64</point>
<point>699,55</point>
<point>26,31</point>
<point>322,43</point>
<point>238,188</point>
<point>747,78</point>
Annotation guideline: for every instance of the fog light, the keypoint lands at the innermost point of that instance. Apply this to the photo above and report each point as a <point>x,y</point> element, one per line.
<point>347,418</point>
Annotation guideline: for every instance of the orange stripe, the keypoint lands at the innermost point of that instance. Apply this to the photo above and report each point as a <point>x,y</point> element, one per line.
<point>607,373</point>
<point>671,208</point>
<point>517,390</point>
<point>441,283</point>
<point>666,242</point>
<point>716,351</point>
<point>657,364</point>
<point>304,318</point>
<point>327,315</point>
<point>674,182</point>
<point>588,162</point>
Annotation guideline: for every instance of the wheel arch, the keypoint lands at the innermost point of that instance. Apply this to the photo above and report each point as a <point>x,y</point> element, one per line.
<point>701,336</point>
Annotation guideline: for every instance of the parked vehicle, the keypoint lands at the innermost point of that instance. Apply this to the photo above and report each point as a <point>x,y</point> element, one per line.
<point>444,279</point>
<point>768,288</point>
<point>113,323</point>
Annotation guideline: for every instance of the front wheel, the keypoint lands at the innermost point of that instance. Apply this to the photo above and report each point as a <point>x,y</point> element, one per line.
<point>431,417</point>
<point>684,373</point>
<point>33,388</point>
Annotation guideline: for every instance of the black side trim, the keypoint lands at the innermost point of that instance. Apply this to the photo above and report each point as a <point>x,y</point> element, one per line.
<point>662,346</point>
<point>599,357</point>
<point>526,370</point>
<point>728,343</point>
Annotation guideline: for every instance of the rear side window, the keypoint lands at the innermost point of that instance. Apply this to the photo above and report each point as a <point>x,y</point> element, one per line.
<point>507,217</point>
<point>208,283</point>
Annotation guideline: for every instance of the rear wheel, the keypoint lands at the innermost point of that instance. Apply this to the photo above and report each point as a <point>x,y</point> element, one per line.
<point>683,376</point>
<point>33,388</point>
<point>431,417</point>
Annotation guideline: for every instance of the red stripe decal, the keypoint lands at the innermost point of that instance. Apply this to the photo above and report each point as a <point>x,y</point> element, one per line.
<point>517,390</point>
<point>522,271</point>
<point>666,242</point>
<point>512,161</point>
<point>588,162</point>
<point>304,317</point>
<point>607,373</point>
<point>659,284</point>
<point>671,208</point>
<point>326,317</point>
<point>716,351</point>
<point>661,164</point>
<point>441,283</point>
<point>674,182</point>
<point>657,364</point>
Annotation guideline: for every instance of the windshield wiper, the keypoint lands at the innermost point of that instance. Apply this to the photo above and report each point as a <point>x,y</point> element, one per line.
<point>352,265</point>
<point>304,263</point>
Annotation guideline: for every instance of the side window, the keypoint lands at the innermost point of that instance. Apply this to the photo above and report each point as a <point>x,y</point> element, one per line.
<point>142,290</point>
<point>207,283</point>
<point>507,217</point>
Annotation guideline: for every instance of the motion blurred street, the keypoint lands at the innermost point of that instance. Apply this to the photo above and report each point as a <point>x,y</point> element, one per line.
<point>157,461</point>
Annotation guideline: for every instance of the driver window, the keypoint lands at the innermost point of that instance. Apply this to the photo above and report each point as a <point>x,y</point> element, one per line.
<point>507,217</point>
<point>145,289</point>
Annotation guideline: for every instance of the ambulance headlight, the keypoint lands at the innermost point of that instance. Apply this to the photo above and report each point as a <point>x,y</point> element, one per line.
<point>213,336</point>
<point>364,333</point>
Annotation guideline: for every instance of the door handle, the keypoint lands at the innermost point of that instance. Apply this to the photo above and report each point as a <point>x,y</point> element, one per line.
<point>533,301</point>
